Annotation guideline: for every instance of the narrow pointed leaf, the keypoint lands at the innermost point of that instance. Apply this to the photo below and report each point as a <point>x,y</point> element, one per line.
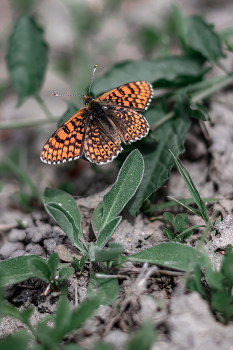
<point>127,182</point>
<point>97,217</point>
<point>107,231</point>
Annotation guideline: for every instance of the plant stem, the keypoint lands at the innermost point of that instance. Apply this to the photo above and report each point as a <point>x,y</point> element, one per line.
<point>43,107</point>
<point>27,123</point>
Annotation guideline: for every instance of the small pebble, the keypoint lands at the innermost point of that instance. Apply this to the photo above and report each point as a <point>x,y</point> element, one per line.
<point>16,235</point>
<point>36,249</point>
<point>50,245</point>
<point>8,248</point>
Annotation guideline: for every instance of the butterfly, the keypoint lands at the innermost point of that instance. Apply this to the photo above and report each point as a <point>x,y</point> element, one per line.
<point>97,129</point>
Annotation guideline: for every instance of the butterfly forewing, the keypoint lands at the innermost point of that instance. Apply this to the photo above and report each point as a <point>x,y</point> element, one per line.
<point>135,95</point>
<point>66,143</point>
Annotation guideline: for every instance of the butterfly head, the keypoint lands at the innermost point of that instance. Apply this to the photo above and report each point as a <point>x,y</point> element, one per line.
<point>87,99</point>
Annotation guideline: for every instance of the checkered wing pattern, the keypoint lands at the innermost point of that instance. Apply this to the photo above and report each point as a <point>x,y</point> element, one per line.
<point>135,95</point>
<point>130,125</point>
<point>66,143</point>
<point>102,143</point>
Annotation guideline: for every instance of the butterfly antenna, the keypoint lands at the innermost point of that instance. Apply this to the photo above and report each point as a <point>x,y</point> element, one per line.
<point>92,79</point>
<point>65,95</point>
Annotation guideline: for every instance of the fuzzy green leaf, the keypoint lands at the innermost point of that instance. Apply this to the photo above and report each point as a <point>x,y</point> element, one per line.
<point>127,182</point>
<point>107,231</point>
<point>107,288</point>
<point>15,270</point>
<point>171,255</point>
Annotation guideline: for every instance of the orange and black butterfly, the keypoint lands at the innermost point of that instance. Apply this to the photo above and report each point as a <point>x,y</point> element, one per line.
<point>97,129</point>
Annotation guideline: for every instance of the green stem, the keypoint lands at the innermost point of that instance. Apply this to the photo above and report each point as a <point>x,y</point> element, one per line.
<point>27,123</point>
<point>44,107</point>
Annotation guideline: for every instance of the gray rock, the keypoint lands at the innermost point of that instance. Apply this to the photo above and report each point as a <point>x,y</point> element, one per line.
<point>192,325</point>
<point>16,253</point>
<point>36,249</point>
<point>37,234</point>
<point>8,248</point>
<point>50,244</point>
<point>116,338</point>
<point>16,235</point>
<point>225,228</point>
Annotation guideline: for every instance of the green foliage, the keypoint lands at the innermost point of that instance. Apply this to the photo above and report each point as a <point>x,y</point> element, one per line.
<point>48,338</point>
<point>171,255</point>
<point>179,231</point>
<point>27,57</point>
<point>21,268</point>
<point>220,283</point>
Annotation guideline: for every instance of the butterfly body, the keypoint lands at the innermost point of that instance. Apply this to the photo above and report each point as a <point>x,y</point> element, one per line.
<point>98,128</point>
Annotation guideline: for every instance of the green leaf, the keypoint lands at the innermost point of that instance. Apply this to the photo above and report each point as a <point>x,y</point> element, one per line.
<point>45,335</point>
<point>53,262</point>
<point>27,57</point>
<point>194,283</point>
<point>199,112</point>
<point>19,340</point>
<point>181,221</point>
<point>62,318</point>
<point>171,255</point>
<point>65,272</point>
<point>127,182</point>
<point>15,270</point>
<point>63,208</point>
<point>162,72</point>
<point>114,250</point>
<point>158,162</point>
<point>83,312</point>
<point>71,110</point>
<point>107,288</point>
<point>169,218</point>
<point>203,39</point>
<point>144,338</point>
<point>97,217</point>
<point>103,346</point>
<point>107,231</point>
<point>170,235</point>
<point>41,269</point>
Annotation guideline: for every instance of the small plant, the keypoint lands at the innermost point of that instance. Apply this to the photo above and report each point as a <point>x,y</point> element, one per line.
<point>47,270</point>
<point>219,292</point>
<point>64,321</point>
<point>179,231</point>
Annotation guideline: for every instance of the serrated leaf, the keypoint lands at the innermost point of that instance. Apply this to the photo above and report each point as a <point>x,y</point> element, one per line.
<point>27,57</point>
<point>199,112</point>
<point>158,162</point>
<point>171,255</point>
<point>203,39</point>
<point>165,71</point>
<point>15,270</point>
<point>107,231</point>
<point>127,182</point>
<point>71,109</point>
